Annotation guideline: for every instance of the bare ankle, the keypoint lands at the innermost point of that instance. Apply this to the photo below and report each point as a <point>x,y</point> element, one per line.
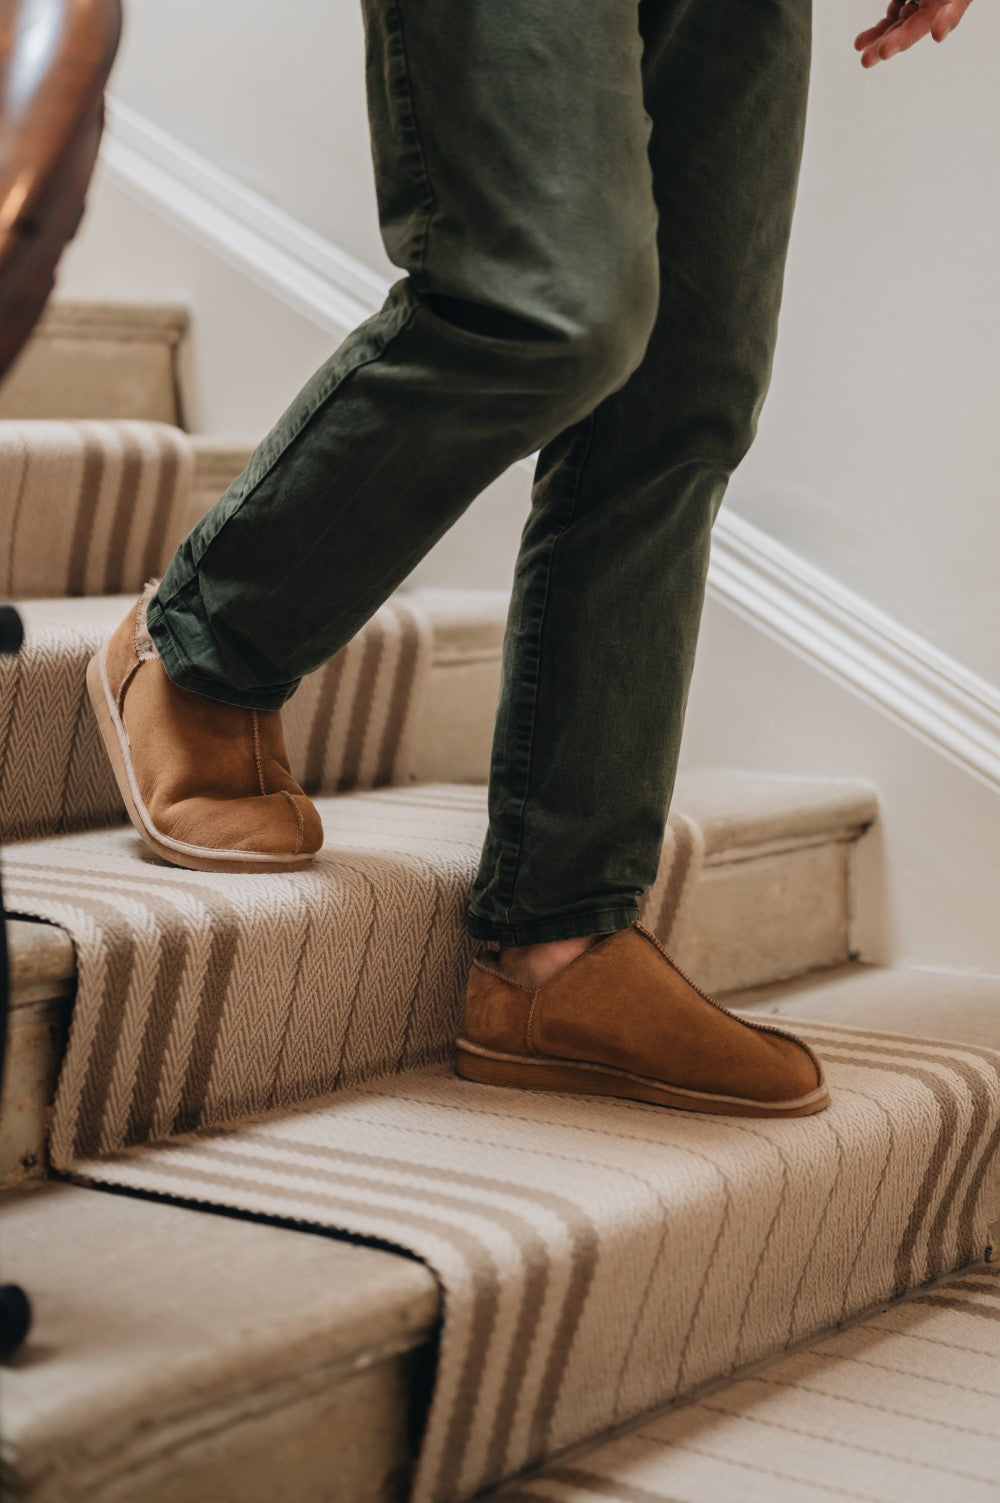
<point>535,964</point>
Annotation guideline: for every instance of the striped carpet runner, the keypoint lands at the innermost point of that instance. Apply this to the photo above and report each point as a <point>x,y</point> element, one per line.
<point>280,1045</point>
<point>599,1258</point>
<point>202,996</point>
<point>89,508</point>
<point>349,725</point>
<point>903,1407</point>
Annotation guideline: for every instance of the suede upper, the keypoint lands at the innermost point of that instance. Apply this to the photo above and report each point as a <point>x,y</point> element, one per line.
<point>210,774</point>
<point>623,1003</point>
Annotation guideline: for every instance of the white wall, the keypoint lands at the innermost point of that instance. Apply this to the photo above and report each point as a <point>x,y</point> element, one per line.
<point>876,456</point>
<point>273,94</point>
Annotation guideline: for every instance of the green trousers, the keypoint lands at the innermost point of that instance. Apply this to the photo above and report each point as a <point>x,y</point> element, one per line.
<point>591,205</point>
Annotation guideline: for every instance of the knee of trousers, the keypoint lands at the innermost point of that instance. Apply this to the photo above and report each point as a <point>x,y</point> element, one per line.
<point>594,322</point>
<point>612,330</point>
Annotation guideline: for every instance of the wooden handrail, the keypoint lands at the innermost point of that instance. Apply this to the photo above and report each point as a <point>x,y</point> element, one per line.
<point>55,57</point>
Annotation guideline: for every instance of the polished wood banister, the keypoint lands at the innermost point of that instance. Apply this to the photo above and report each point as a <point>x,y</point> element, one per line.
<point>55,56</point>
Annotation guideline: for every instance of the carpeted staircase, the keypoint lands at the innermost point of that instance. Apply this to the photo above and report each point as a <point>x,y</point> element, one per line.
<point>278,1048</point>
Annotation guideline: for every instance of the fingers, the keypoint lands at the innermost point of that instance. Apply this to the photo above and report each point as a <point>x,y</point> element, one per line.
<point>914,23</point>
<point>903,35</point>
<point>865,38</point>
<point>948,17</point>
<point>905,24</point>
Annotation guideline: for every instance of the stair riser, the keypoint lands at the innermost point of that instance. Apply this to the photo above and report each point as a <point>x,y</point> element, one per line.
<point>275,1445</point>
<point>348,725</point>
<point>35,1045</point>
<point>99,361</point>
<point>775,914</point>
<point>753,920</point>
<point>182,1357</point>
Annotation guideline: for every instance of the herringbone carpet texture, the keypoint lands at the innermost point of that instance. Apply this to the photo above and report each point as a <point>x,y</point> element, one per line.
<point>903,1407</point>
<point>349,725</point>
<point>202,996</point>
<point>599,1258</point>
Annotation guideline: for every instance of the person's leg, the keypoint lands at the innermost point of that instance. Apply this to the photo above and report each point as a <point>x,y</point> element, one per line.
<point>610,578</point>
<point>606,607</point>
<point>515,189</point>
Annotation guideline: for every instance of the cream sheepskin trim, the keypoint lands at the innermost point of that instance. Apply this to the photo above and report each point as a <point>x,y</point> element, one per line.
<point>145,647</point>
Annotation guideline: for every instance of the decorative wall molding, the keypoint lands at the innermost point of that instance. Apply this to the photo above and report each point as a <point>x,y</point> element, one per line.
<point>829,626</point>
<point>850,640</point>
<point>279,253</point>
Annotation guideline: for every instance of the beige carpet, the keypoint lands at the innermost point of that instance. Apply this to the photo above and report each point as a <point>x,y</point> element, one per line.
<point>903,1407</point>
<point>349,725</point>
<point>600,1257</point>
<point>203,996</point>
<point>89,508</point>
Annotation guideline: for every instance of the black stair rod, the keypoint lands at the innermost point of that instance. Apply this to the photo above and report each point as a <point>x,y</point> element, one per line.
<point>15,1307</point>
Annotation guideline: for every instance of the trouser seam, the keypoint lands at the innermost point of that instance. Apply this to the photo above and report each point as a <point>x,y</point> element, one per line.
<point>416,275</point>
<point>417,271</point>
<point>292,436</point>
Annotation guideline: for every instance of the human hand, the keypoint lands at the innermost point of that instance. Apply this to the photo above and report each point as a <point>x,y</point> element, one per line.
<point>905,22</point>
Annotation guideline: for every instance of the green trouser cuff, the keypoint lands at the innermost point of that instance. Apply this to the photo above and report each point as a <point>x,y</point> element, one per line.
<point>538,931</point>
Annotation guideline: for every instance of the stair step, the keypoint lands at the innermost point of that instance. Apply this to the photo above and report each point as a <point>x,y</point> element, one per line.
<point>90,507</point>
<point>426,843</point>
<point>54,776</point>
<point>775,894</point>
<point>99,360</point>
<point>894,999</point>
<point>600,1259</point>
<point>97,506</point>
<point>901,1406</point>
<point>180,1355</point>
<point>350,724</point>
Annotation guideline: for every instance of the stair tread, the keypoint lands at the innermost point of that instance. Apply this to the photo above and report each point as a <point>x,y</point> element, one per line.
<point>350,723</point>
<point>668,1247</point>
<point>737,808</point>
<point>899,1407</point>
<point>261,1299</point>
<point>465,621</point>
<point>778,807</point>
<point>733,807</point>
<point>146,1311</point>
<point>896,999</point>
<point>112,319</point>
